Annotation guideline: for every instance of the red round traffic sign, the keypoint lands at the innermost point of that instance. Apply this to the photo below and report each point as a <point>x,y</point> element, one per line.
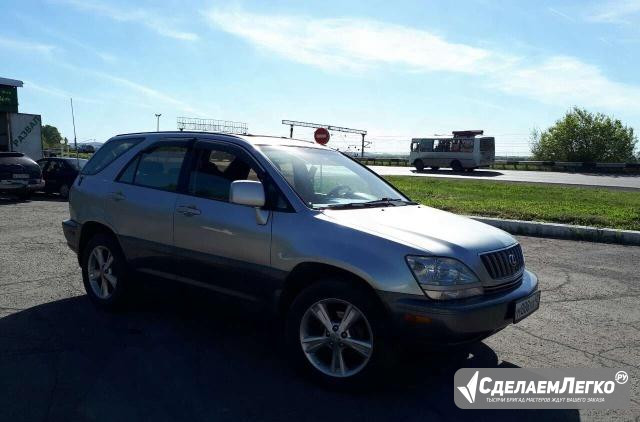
<point>321,135</point>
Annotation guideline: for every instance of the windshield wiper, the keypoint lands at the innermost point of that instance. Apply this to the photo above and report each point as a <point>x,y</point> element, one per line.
<point>342,206</point>
<point>388,201</point>
<point>369,204</point>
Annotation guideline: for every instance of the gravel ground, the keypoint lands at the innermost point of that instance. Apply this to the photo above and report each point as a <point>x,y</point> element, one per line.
<point>181,354</point>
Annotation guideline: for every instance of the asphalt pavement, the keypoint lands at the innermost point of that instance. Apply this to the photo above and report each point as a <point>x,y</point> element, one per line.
<point>181,354</point>
<point>622,181</point>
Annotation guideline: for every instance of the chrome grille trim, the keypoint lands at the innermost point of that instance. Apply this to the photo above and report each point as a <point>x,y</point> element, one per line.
<point>501,266</point>
<point>509,285</point>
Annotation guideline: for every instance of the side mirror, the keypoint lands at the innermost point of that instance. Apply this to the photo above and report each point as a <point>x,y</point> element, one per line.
<point>247,192</point>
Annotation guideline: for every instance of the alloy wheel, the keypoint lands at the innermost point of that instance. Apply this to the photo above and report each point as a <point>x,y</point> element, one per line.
<point>102,278</point>
<point>336,338</point>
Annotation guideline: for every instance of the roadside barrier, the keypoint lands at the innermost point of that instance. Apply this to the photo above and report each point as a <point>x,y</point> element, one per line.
<point>525,165</point>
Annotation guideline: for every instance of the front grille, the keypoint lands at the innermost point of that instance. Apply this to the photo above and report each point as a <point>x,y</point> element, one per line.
<point>504,263</point>
<point>509,285</point>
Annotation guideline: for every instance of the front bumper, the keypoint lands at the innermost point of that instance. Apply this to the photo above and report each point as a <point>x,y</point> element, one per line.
<point>423,320</point>
<point>71,230</point>
<point>12,185</point>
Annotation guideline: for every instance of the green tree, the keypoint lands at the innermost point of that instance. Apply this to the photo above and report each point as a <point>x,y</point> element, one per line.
<point>583,136</point>
<point>51,137</point>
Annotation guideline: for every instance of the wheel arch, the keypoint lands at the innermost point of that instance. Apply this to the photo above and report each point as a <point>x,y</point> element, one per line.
<point>306,274</point>
<point>90,229</point>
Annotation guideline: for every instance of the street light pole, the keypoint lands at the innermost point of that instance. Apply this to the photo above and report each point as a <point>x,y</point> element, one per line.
<point>158,122</point>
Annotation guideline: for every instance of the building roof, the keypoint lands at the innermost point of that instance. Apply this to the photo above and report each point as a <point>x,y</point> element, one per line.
<point>10,82</point>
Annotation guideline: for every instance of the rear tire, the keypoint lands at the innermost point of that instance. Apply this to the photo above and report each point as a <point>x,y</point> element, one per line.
<point>457,166</point>
<point>419,165</point>
<point>24,194</point>
<point>64,191</point>
<point>104,271</point>
<point>339,351</point>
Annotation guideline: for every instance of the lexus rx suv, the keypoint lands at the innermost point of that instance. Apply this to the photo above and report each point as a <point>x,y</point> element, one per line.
<point>352,265</point>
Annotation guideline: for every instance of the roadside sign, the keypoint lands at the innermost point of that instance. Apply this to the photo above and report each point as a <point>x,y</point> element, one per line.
<point>8,99</point>
<point>321,136</point>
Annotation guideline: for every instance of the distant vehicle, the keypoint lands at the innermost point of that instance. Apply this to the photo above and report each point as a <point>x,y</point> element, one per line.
<point>464,151</point>
<point>351,264</point>
<point>19,174</point>
<point>86,148</point>
<point>59,174</point>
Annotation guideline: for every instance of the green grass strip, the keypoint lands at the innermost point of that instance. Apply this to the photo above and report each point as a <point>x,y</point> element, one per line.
<point>598,207</point>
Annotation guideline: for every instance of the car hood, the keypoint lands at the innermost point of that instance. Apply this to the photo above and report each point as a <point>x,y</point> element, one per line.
<point>427,229</point>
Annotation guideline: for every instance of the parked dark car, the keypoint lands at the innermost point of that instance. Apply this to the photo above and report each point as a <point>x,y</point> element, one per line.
<point>19,174</point>
<point>59,174</point>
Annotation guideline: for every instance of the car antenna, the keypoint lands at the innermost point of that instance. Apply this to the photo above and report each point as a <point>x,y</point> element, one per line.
<point>75,140</point>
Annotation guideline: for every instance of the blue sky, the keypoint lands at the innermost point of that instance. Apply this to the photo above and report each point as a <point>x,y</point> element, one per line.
<point>398,69</point>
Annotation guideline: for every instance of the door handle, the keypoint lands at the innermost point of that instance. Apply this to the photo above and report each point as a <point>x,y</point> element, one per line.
<point>188,210</point>
<point>117,196</point>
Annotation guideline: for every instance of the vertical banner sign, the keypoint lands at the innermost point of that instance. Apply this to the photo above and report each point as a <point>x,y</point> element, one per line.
<point>26,134</point>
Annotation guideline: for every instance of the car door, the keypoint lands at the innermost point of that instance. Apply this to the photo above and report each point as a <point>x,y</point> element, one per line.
<point>141,204</point>
<point>67,174</point>
<point>52,177</point>
<point>44,166</point>
<point>222,245</point>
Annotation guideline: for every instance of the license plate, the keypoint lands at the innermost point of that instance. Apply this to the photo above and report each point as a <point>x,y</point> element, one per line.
<point>526,306</point>
<point>20,176</point>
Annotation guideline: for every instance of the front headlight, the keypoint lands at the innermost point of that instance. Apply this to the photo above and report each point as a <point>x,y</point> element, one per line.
<point>444,278</point>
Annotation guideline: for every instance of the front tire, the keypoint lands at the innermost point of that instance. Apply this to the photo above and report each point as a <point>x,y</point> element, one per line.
<point>104,271</point>
<point>336,332</point>
<point>419,165</point>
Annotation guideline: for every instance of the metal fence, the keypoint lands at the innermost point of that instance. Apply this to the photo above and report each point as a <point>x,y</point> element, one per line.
<point>525,165</point>
<point>212,125</point>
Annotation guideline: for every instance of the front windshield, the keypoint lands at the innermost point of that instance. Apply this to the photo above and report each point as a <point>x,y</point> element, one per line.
<point>327,179</point>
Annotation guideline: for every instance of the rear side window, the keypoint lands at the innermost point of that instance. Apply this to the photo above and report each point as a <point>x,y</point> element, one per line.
<point>108,153</point>
<point>158,169</point>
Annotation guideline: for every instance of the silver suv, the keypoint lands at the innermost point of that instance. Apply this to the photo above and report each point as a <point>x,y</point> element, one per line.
<point>352,264</point>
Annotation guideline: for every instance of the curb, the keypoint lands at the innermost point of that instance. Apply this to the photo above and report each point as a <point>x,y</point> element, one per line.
<point>563,231</point>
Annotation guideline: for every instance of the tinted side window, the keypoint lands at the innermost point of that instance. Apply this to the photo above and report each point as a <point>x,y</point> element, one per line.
<point>442,145</point>
<point>108,153</point>
<point>127,175</point>
<point>214,170</point>
<point>54,167</point>
<point>43,164</point>
<point>160,168</point>
<point>426,146</point>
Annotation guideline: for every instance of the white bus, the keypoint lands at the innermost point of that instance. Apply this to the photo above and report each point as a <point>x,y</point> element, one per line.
<point>465,150</point>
